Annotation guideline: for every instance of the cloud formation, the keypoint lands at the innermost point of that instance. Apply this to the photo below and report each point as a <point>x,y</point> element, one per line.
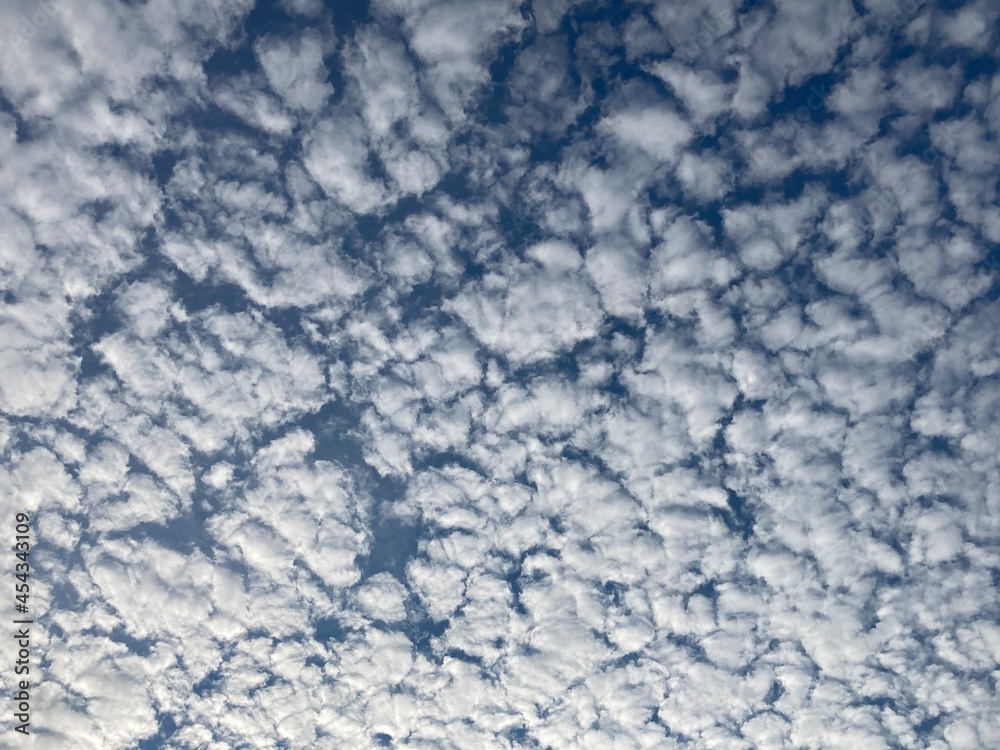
<point>496,374</point>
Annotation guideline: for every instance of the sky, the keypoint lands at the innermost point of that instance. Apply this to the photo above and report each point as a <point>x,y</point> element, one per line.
<point>461,374</point>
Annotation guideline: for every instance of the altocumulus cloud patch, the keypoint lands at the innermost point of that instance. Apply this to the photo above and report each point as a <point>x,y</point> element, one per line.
<point>552,374</point>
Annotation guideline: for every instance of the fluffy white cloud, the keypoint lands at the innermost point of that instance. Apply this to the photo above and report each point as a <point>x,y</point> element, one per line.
<point>295,70</point>
<point>336,156</point>
<point>533,310</point>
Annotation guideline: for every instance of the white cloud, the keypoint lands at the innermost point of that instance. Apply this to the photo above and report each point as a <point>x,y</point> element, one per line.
<point>657,131</point>
<point>532,311</point>
<point>336,155</point>
<point>383,598</point>
<point>295,70</point>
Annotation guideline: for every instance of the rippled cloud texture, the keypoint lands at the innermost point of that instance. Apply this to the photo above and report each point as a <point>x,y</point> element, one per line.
<point>484,374</point>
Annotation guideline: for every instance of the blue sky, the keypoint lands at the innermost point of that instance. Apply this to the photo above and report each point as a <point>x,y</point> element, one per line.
<point>497,374</point>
